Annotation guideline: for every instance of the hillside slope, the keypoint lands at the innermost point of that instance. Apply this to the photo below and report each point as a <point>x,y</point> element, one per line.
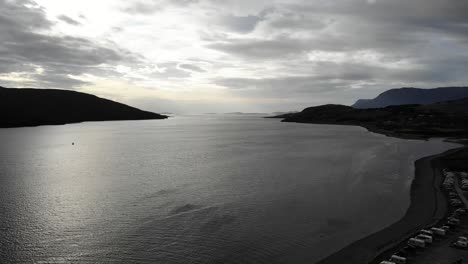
<point>403,96</point>
<point>439,119</point>
<point>34,107</point>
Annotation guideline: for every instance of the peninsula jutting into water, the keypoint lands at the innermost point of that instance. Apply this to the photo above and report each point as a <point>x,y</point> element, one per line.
<point>435,119</point>
<point>35,107</point>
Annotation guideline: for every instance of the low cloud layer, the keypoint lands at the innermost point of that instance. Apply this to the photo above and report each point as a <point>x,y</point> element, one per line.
<point>38,56</point>
<point>257,55</point>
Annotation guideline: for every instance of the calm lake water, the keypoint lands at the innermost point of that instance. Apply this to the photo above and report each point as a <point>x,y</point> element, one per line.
<point>200,189</point>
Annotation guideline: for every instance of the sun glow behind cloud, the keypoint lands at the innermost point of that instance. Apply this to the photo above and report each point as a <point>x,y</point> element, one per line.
<point>208,56</point>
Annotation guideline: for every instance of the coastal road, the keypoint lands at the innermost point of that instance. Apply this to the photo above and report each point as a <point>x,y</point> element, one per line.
<point>442,253</point>
<point>462,197</point>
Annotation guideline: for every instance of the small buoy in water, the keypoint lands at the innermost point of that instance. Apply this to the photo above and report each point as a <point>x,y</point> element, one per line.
<point>73,143</point>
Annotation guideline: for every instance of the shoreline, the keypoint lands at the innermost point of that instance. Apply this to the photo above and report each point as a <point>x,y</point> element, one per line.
<point>389,133</point>
<point>425,187</point>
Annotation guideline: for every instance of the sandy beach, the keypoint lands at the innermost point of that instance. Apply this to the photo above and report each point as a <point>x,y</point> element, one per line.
<point>428,206</point>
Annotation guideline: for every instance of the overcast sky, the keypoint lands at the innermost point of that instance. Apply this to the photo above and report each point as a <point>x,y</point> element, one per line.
<point>198,56</point>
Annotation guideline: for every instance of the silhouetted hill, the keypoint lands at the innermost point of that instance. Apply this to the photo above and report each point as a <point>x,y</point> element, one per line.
<point>413,96</point>
<point>438,119</point>
<point>33,107</point>
<point>459,107</point>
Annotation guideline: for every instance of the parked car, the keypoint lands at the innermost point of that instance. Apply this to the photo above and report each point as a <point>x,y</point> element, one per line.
<point>426,238</point>
<point>426,232</point>
<point>403,252</point>
<point>397,259</point>
<point>438,231</point>
<point>453,222</point>
<point>460,244</point>
<point>416,243</point>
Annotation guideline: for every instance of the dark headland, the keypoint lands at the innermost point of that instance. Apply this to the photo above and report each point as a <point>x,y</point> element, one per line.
<point>443,119</point>
<point>447,119</point>
<point>35,107</point>
<point>403,96</point>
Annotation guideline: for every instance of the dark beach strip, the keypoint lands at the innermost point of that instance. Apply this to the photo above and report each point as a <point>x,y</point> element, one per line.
<point>427,207</point>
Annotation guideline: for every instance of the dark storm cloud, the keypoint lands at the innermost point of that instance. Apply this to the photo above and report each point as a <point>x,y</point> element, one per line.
<point>260,48</point>
<point>292,92</point>
<point>55,51</point>
<point>277,86</point>
<point>53,79</point>
<point>296,21</point>
<point>390,24</point>
<point>339,80</point>
<point>23,46</point>
<point>15,16</point>
<point>341,74</point>
<point>429,38</point>
<point>242,24</point>
<point>69,20</point>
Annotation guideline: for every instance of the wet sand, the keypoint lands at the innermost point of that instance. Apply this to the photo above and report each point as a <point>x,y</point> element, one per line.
<point>428,206</point>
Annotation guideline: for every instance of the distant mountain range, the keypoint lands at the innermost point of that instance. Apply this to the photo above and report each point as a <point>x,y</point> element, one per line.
<point>403,96</point>
<point>34,107</point>
<point>443,119</point>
